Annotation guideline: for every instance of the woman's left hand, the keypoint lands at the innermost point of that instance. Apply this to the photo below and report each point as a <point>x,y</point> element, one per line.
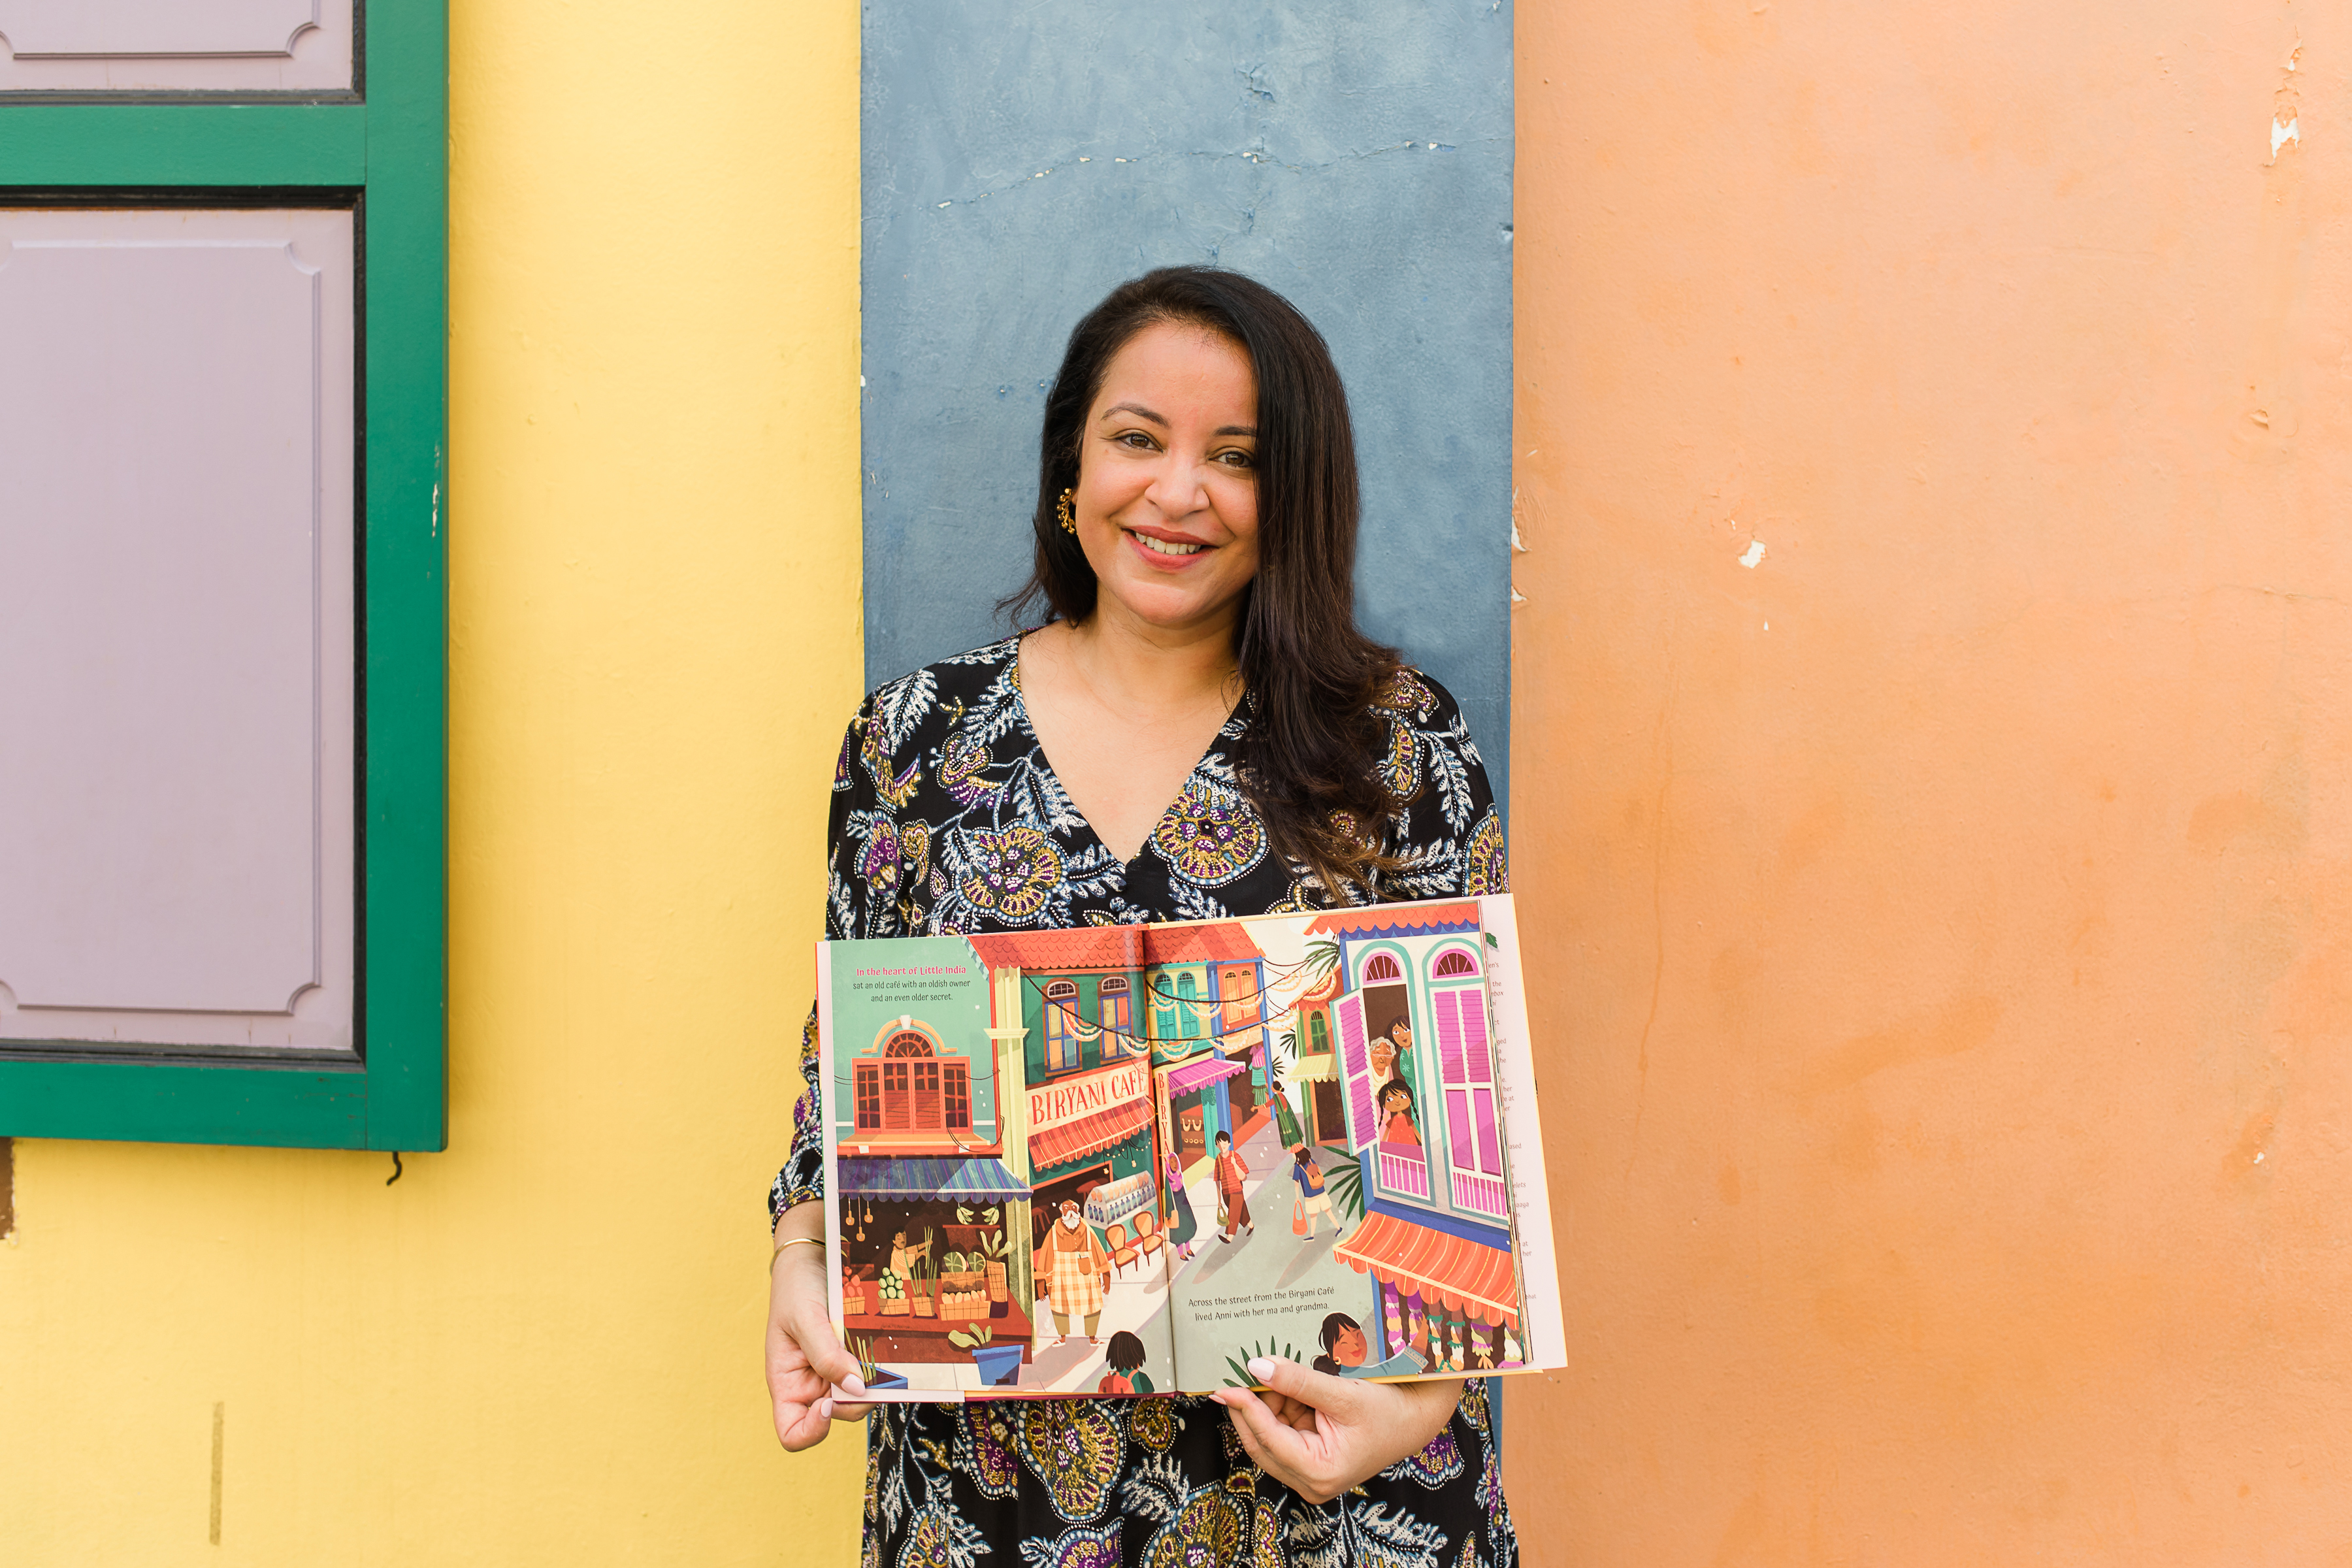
<point>1320,1435</point>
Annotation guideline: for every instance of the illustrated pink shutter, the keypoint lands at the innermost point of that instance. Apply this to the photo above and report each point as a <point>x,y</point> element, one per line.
<point>1490,1139</point>
<point>1355,1059</point>
<point>1449,1036</point>
<point>1457,1128</point>
<point>1478,1057</point>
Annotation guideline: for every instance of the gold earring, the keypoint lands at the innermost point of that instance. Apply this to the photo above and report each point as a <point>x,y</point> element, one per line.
<point>1062,512</point>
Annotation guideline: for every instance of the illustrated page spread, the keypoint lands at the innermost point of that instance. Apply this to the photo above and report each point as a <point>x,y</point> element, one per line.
<point>1125,1160</point>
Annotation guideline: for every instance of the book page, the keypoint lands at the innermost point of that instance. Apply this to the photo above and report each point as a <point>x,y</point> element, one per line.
<point>1361,1217</point>
<point>1530,1192</point>
<point>992,1202</point>
<point>1126,1160</point>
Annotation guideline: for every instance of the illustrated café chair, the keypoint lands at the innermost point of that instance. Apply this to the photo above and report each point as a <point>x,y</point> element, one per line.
<point>1147,1240</point>
<point>1121,1255</point>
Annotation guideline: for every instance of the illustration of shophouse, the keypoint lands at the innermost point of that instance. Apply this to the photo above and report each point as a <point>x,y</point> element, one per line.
<point>1422,1110</point>
<point>1310,1071</point>
<point>928,1203</point>
<point>1208,1024</point>
<point>1127,1041</point>
<point>1067,1006</point>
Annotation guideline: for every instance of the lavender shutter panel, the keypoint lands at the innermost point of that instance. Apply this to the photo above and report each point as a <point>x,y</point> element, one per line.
<point>176,636</point>
<point>1356,1061</point>
<point>135,45</point>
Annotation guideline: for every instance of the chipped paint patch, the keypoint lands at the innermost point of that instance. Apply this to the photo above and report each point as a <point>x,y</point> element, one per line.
<point>1752,554</point>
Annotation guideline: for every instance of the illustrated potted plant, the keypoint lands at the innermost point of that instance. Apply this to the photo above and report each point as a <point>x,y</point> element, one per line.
<point>1000,1365</point>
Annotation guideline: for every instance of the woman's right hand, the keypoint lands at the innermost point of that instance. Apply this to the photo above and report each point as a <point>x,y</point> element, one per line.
<point>806,1364</point>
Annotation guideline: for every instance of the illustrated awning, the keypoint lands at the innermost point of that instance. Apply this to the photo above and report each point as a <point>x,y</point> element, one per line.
<point>1314,1067</point>
<point>1196,1075</point>
<point>1472,1279</point>
<point>1075,1139</point>
<point>908,1177</point>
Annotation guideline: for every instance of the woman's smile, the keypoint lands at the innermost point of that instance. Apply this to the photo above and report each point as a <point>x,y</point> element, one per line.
<point>1158,546</point>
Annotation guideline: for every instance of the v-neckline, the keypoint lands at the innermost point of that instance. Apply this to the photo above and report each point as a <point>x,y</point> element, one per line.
<point>1021,702</point>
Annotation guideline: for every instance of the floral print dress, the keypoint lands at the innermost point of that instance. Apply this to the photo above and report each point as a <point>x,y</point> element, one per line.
<point>947,818</point>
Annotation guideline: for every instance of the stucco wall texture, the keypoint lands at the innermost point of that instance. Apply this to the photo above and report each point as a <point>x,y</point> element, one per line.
<point>1950,984</point>
<point>1023,158</point>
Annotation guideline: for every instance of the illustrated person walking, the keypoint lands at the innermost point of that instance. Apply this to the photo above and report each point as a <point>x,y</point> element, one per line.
<point>1073,1270</point>
<point>1199,718</point>
<point>1314,1204</point>
<point>1182,1226</point>
<point>1286,1120</point>
<point>1233,1204</point>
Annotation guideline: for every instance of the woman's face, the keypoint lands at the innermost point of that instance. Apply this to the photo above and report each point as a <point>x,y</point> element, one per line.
<point>1348,1349</point>
<point>1167,495</point>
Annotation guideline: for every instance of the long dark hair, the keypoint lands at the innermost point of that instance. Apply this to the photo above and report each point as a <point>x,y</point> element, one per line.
<point>1335,1325</point>
<point>1308,758</point>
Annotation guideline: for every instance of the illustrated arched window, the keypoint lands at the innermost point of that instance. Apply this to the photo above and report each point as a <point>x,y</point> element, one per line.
<point>1063,1037</point>
<point>1188,990</point>
<point>1118,1019</point>
<point>909,1086</point>
<point>1381,966</point>
<point>1318,1033</point>
<point>1454,962</point>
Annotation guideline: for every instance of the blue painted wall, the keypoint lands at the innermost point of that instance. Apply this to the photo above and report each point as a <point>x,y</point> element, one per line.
<point>1020,159</point>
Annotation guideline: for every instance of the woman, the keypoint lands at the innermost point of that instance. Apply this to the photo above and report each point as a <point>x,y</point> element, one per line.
<point>1286,1120</point>
<point>1183,1226</point>
<point>1200,731</point>
<point>1345,1353</point>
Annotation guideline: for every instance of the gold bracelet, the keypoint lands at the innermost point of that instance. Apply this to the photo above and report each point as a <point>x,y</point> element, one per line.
<point>792,1241</point>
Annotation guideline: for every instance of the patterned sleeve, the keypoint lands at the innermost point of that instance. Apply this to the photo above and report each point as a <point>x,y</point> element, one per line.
<point>1449,836</point>
<point>858,820</point>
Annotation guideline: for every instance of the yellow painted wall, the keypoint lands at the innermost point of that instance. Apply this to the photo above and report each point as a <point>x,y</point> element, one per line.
<point>541,1346</point>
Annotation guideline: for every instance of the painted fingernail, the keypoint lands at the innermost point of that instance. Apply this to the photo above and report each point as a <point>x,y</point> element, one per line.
<point>852,1384</point>
<point>1261,1367</point>
<point>823,1409</point>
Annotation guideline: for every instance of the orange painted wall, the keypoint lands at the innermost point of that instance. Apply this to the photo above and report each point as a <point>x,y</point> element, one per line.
<point>1946,920</point>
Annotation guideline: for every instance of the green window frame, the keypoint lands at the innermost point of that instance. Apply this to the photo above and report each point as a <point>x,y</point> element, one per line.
<point>381,150</point>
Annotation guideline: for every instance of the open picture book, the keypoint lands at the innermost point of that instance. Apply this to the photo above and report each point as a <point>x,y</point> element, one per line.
<point>1125,1160</point>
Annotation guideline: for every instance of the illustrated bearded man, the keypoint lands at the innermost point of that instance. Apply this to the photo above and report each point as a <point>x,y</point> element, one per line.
<point>1074,1271</point>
